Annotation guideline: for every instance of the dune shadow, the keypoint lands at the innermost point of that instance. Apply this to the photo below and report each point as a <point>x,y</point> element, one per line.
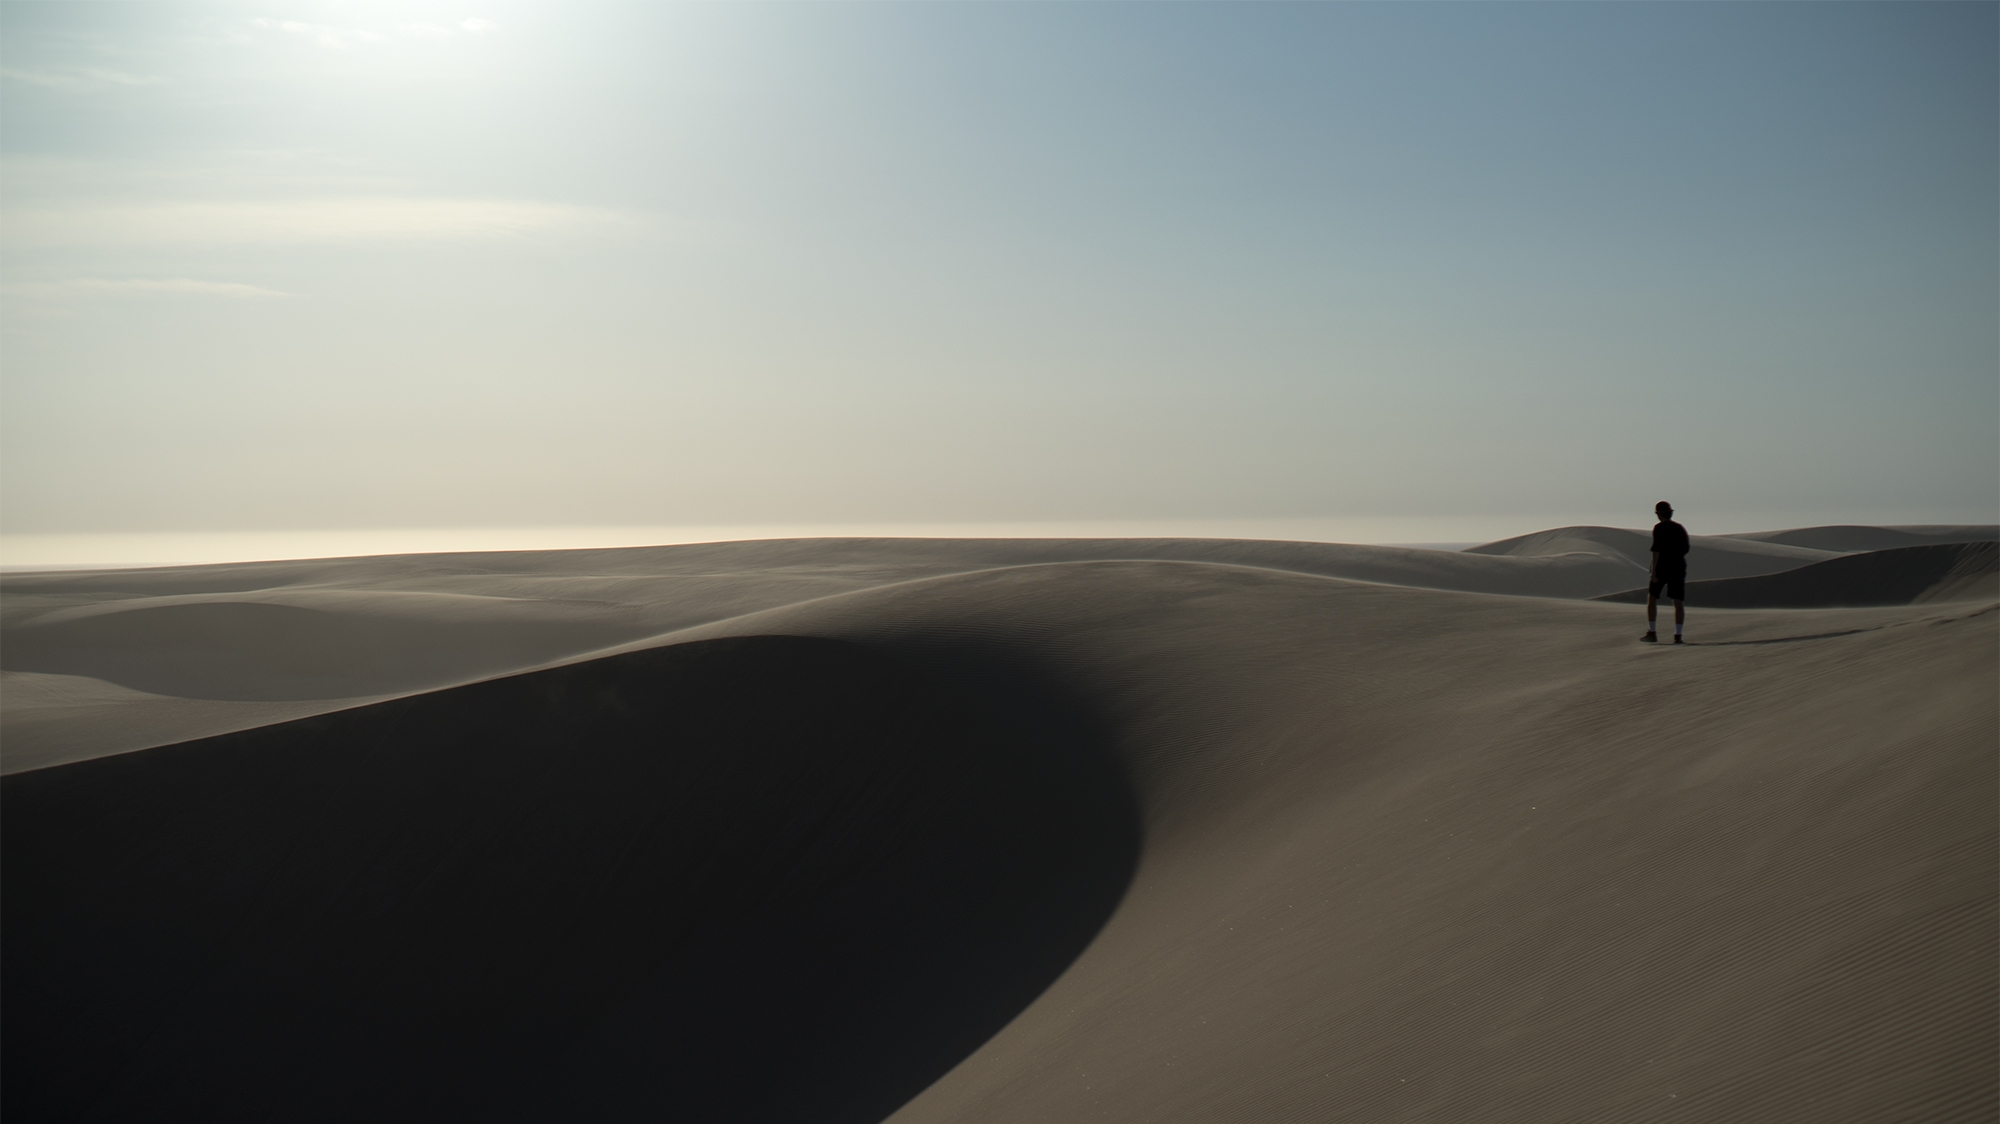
<point>751,879</point>
<point>1898,576</point>
<point>250,651</point>
<point>1777,639</point>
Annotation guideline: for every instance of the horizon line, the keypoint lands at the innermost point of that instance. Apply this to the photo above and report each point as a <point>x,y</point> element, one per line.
<point>110,550</point>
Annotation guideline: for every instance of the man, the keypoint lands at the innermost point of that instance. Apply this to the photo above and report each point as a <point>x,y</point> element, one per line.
<point>1670,572</point>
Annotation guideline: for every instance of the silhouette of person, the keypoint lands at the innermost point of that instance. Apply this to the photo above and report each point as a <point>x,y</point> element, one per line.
<point>1669,573</point>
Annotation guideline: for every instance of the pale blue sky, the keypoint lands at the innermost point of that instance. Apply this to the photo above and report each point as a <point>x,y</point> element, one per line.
<point>306,266</point>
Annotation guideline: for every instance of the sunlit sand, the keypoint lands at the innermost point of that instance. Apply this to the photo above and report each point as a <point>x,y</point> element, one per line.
<point>1014,830</point>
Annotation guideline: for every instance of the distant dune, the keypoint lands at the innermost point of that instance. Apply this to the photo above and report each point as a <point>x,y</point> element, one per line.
<point>1720,556</point>
<point>1028,831</point>
<point>1847,539</point>
<point>1909,575</point>
<point>107,661</point>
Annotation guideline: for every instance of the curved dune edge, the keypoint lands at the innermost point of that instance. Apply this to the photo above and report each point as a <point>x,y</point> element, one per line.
<point>1440,856</point>
<point>101,662</point>
<point>632,888</point>
<point>1849,538</point>
<point>96,663</point>
<point>1907,575</point>
<point>1416,854</point>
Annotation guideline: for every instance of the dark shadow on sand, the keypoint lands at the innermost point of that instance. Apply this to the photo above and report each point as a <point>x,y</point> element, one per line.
<point>755,879</point>
<point>1775,639</point>
<point>1883,577</point>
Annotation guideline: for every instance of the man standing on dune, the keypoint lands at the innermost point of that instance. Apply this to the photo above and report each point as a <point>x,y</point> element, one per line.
<point>1670,571</point>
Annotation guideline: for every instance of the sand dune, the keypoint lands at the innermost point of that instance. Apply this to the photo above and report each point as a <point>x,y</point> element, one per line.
<point>1906,575</point>
<point>340,645</point>
<point>1718,556</point>
<point>251,644</point>
<point>1847,538</point>
<point>1036,839</point>
<point>640,884</point>
<point>1452,857</point>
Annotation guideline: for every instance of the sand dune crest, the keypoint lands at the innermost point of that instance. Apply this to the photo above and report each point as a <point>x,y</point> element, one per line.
<point>1402,853</point>
<point>1847,538</point>
<point>1908,575</point>
<point>1715,555</point>
<point>761,879</point>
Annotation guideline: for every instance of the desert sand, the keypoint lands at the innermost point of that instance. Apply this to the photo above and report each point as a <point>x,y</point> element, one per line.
<point>1026,830</point>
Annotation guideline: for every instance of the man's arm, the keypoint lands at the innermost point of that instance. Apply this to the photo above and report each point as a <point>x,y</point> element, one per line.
<point>1653,575</point>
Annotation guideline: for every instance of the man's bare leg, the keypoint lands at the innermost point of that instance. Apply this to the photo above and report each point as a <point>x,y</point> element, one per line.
<point>1652,613</point>
<point>1680,618</point>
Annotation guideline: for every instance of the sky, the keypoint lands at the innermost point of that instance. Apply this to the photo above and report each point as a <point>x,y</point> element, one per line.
<point>314,267</point>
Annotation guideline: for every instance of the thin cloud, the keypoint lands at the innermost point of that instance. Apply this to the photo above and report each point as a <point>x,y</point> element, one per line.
<point>473,26</point>
<point>174,286</point>
<point>75,79</point>
<point>348,219</point>
<point>326,35</point>
<point>340,38</point>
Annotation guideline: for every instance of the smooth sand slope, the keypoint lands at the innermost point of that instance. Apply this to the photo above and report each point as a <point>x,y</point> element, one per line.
<point>1189,839</point>
<point>109,661</point>
<point>1711,555</point>
<point>1906,575</point>
<point>1847,539</point>
<point>765,878</point>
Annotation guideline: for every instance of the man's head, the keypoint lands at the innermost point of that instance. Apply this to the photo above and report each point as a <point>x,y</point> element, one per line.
<point>1664,510</point>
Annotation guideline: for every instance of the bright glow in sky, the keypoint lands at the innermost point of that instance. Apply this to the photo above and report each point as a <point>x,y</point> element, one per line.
<point>293,267</point>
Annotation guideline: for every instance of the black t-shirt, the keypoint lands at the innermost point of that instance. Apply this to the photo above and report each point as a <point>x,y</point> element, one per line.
<point>1670,542</point>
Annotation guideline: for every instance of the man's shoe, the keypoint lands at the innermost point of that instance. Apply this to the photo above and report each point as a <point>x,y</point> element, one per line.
<point>1677,638</point>
<point>1650,638</point>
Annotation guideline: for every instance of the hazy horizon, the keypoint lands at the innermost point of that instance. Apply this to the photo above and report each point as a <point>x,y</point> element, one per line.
<point>451,269</point>
<point>122,550</point>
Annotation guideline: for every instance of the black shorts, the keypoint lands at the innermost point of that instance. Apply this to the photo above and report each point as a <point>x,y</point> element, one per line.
<point>1675,585</point>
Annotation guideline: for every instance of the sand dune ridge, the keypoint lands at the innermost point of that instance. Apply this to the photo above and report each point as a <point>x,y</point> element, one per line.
<point>641,883</point>
<point>1907,575</point>
<point>1364,851</point>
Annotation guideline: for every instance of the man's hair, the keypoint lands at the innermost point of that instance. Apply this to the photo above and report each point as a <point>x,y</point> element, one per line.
<point>1664,506</point>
